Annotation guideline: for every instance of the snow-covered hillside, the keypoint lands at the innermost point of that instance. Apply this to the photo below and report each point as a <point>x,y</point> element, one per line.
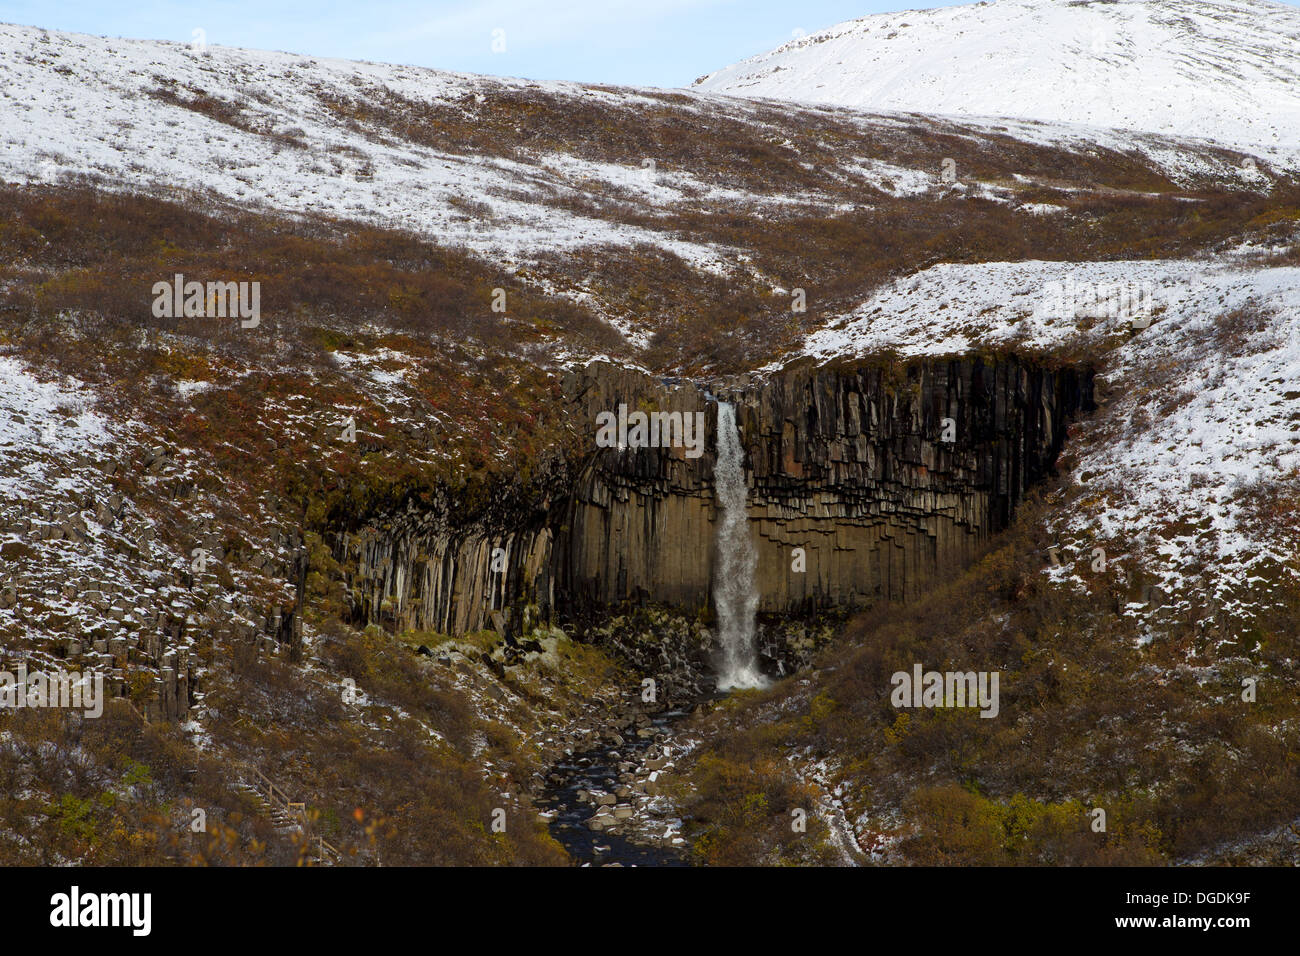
<point>256,128</point>
<point>521,174</point>
<point>404,147</point>
<point>412,148</point>
<point>1227,70</point>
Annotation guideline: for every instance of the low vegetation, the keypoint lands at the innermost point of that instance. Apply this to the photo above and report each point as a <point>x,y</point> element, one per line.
<point>1142,717</point>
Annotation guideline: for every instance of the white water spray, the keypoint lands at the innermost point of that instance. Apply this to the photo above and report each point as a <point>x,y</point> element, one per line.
<point>734,593</point>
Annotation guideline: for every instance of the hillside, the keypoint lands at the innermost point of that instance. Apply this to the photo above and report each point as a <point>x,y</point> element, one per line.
<point>1224,70</point>
<point>187,507</point>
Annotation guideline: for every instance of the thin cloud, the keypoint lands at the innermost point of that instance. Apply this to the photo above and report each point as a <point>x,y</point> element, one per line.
<point>529,24</point>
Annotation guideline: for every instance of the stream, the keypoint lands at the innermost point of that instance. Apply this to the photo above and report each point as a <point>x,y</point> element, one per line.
<point>597,769</point>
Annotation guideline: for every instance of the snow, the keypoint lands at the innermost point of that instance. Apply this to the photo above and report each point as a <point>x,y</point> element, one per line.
<point>1037,305</point>
<point>1226,70</point>
<point>897,181</point>
<point>1171,487</point>
<point>44,425</point>
<point>77,105</point>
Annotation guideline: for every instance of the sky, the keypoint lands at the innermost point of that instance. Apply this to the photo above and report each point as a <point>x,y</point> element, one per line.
<point>633,42</point>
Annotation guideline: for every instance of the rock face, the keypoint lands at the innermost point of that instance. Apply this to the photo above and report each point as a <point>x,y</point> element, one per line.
<point>422,571</point>
<point>886,484</point>
<point>865,483</point>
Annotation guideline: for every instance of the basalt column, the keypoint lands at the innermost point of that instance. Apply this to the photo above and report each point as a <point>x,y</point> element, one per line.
<point>864,482</point>
<point>640,523</point>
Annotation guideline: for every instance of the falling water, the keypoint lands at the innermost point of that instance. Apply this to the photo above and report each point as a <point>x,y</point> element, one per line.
<point>734,593</point>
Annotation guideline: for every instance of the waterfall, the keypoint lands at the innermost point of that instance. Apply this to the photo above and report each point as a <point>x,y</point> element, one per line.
<point>734,593</point>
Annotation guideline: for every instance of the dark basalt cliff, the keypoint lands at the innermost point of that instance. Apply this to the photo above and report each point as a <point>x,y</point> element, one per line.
<point>884,475</point>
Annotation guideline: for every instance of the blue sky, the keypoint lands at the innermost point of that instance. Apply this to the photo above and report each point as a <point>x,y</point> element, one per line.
<point>639,42</point>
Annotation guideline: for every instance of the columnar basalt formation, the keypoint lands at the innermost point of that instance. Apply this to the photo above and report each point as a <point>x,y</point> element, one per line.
<point>423,570</point>
<point>866,482</point>
<point>887,482</point>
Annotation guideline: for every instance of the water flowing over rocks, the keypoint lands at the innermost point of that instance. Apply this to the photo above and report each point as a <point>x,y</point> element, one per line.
<point>605,803</point>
